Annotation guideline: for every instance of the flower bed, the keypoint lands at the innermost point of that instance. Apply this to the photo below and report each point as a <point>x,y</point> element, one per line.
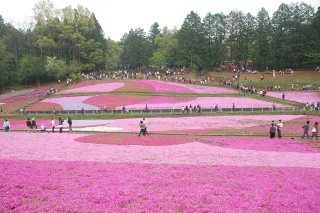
<point>87,102</point>
<point>204,102</point>
<point>54,172</point>
<point>169,87</point>
<point>128,187</point>
<point>44,106</point>
<point>71,103</point>
<point>113,101</point>
<point>301,97</point>
<point>134,140</point>
<point>63,147</point>
<point>135,86</point>
<point>104,87</point>
<point>265,144</point>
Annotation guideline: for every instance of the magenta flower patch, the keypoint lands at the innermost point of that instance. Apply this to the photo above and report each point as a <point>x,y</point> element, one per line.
<point>169,87</point>
<point>204,102</point>
<point>105,87</point>
<point>44,186</point>
<point>301,97</point>
<point>43,172</point>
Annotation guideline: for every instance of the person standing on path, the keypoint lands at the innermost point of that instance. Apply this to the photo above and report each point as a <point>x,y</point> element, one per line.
<point>145,126</point>
<point>279,129</point>
<point>273,130</point>
<point>28,122</point>
<point>6,125</point>
<point>33,125</point>
<point>70,124</point>
<point>53,124</point>
<point>142,128</point>
<point>306,130</point>
<point>60,125</point>
<point>315,131</point>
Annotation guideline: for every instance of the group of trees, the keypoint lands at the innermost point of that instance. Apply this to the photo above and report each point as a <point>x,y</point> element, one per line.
<point>61,43</point>
<point>66,42</point>
<point>288,39</point>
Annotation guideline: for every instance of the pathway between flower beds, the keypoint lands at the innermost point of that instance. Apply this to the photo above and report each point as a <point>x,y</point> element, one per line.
<point>114,173</point>
<point>197,125</point>
<point>300,97</point>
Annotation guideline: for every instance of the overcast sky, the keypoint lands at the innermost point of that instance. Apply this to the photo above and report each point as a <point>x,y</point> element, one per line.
<point>118,16</point>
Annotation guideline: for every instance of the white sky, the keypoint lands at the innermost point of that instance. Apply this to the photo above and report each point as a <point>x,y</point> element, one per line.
<point>118,16</point>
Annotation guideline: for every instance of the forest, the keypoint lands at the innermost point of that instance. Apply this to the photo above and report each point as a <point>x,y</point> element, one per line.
<point>64,43</point>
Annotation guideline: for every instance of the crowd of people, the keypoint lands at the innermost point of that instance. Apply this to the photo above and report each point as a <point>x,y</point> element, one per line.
<point>189,109</point>
<point>32,126</point>
<point>275,128</point>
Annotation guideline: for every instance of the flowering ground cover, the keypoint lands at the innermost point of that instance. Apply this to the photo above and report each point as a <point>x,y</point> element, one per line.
<point>300,97</point>
<point>44,106</point>
<point>56,172</point>
<point>134,140</point>
<point>113,101</point>
<point>68,103</point>
<point>143,86</point>
<point>204,102</point>
<point>104,87</point>
<point>169,87</point>
<point>87,102</point>
<point>135,86</point>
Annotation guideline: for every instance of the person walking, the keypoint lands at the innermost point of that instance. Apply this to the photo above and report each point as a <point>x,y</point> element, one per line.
<point>283,96</point>
<point>53,124</point>
<point>315,131</point>
<point>306,130</point>
<point>273,130</point>
<point>6,125</point>
<point>70,124</point>
<point>279,129</point>
<point>142,128</point>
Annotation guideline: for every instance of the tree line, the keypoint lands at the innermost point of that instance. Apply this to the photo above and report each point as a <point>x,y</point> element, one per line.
<point>67,42</point>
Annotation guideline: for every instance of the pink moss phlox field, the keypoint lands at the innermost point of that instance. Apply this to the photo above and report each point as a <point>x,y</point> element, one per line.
<point>203,122</point>
<point>301,97</point>
<point>114,101</point>
<point>205,102</point>
<point>264,144</point>
<point>42,172</point>
<point>169,87</point>
<point>71,103</point>
<point>44,106</point>
<point>135,86</point>
<point>127,187</point>
<point>63,147</point>
<point>134,140</point>
<point>104,87</point>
